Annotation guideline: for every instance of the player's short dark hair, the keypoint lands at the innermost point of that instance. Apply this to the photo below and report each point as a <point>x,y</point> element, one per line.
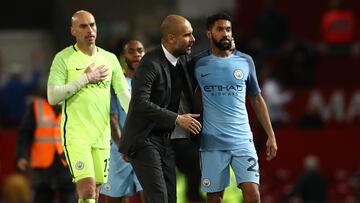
<point>219,16</point>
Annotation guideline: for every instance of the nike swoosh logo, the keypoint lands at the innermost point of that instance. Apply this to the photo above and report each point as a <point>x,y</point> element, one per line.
<point>78,68</point>
<point>204,75</point>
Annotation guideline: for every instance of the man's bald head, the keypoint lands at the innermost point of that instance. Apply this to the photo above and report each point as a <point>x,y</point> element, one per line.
<point>80,15</point>
<point>172,25</point>
<point>177,35</point>
<point>83,28</point>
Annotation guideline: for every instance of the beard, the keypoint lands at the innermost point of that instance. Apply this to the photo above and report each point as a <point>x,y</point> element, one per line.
<point>183,51</point>
<point>224,44</point>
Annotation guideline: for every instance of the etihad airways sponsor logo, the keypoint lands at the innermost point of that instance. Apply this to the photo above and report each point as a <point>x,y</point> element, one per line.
<point>223,90</point>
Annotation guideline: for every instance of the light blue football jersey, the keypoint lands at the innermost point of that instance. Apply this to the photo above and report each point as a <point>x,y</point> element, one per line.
<point>224,83</point>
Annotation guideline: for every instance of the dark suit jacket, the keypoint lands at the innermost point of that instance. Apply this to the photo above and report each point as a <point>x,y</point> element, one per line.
<point>151,93</point>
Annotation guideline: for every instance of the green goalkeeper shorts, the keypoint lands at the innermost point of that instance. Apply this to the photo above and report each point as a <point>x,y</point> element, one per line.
<point>85,161</point>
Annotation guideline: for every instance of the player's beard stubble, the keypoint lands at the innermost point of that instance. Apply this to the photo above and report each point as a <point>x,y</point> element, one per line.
<point>223,44</point>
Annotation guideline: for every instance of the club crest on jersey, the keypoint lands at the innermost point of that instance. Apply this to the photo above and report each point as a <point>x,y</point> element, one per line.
<point>107,186</point>
<point>238,74</point>
<point>79,165</point>
<point>206,182</point>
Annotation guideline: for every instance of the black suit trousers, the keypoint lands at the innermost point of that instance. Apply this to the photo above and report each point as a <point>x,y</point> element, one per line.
<point>154,165</point>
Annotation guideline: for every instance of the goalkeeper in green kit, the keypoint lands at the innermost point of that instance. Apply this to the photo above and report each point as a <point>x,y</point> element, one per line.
<point>80,79</point>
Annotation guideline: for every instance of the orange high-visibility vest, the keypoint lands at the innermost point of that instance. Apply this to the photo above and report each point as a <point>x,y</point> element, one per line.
<point>47,136</point>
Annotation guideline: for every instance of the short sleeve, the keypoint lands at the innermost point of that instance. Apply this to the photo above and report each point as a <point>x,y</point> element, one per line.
<point>252,85</point>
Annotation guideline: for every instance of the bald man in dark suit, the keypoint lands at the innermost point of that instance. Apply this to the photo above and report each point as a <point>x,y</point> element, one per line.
<point>160,79</point>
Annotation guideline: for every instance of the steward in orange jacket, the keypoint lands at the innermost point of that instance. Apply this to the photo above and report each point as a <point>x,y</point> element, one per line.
<point>39,148</point>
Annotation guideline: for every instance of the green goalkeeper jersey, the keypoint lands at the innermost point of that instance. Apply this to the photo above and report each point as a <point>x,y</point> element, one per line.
<point>86,114</point>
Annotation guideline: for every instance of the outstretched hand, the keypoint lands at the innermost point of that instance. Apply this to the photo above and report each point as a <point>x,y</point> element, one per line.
<point>189,122</point>
<point>96,74</point>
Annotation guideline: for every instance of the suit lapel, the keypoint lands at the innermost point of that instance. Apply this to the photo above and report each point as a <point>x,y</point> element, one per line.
<point>164,64</point>
<point>165,67</point>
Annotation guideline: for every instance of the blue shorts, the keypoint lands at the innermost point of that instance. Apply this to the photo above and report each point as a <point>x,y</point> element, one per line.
<point>122,181</point>
<point>215,171</point>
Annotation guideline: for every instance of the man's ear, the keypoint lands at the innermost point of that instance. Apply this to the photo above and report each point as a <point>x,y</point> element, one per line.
<point>72,31</point>
<point>208,34</point>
